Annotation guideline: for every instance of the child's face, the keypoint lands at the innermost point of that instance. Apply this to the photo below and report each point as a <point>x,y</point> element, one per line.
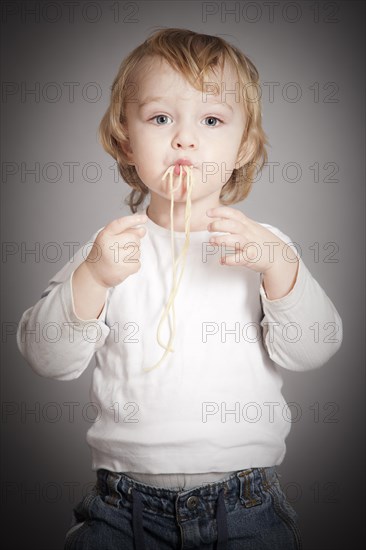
<point>183,123</point>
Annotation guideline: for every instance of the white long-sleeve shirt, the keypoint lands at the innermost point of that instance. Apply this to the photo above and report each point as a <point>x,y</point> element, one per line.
<point>215,404</point>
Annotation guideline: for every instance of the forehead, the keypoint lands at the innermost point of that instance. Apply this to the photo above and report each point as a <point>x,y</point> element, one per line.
<point>156,77</point>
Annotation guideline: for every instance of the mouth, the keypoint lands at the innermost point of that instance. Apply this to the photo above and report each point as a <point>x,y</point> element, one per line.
<point>177,169</point>
<point>179,163</point>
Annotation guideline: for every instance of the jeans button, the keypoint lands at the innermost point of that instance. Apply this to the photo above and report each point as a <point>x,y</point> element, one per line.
<point>192,502</point>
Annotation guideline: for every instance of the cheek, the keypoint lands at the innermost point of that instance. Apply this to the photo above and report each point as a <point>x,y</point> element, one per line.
<point>146,161</point>
<point>231,145</point>
<point>144,141</point>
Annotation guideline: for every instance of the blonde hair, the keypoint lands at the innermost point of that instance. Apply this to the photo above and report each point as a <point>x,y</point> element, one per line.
<point>193,55</point>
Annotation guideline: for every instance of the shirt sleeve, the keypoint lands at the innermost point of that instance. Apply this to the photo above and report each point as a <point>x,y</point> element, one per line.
<point>302,330</point>
<point>55,342</point>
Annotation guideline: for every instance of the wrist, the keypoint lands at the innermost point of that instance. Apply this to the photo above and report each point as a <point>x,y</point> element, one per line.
<point>85,271</point>
<point>280,279</point>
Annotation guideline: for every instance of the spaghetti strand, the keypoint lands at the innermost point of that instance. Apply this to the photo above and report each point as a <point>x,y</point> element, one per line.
<point>181,258</point>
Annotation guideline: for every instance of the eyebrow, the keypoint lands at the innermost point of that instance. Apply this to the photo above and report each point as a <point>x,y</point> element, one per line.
<point>148,100</point>
<point>220,103</point>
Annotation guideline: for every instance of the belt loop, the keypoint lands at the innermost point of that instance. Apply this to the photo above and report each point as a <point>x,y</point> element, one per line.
<point>113,494</point>
<point>247,489</point>
<point>269,476</point>
<point>265,483</point>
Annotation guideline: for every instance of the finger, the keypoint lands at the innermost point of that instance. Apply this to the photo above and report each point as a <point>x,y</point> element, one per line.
<point>226,212</point>
<point>233,259</point>
<point>131,237</point>
<point>232,240</point>
<point>226,225</point>
<point>120,225</point>
<point>137,230</point>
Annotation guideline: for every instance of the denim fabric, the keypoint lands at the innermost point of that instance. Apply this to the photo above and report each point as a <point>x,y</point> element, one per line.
<point>247,511</point>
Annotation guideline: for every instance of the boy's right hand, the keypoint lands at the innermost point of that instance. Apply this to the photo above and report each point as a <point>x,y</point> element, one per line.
<point>115,254</point>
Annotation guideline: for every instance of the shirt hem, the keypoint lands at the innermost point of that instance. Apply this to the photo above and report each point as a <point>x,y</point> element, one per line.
<point>186,464</point>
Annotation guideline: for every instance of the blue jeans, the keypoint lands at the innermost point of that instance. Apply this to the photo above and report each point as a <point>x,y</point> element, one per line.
<point>246,511</point>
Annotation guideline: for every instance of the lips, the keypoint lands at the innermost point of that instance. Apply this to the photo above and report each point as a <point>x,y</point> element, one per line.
<point>181,162</point>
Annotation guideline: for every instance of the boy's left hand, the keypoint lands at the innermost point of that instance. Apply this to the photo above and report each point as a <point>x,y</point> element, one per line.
<point>267,251</point>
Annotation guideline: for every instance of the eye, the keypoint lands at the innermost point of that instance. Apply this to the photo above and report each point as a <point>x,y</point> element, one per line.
<point>160,118</point>
<point>213,119</point>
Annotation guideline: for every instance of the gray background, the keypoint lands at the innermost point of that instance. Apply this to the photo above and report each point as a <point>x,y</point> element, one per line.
<point>41,459</point>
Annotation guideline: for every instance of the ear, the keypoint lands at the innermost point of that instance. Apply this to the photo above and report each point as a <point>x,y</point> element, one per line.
<point>126,148</point>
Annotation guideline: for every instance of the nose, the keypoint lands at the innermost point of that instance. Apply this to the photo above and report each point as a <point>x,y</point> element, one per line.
<point>184,137</point>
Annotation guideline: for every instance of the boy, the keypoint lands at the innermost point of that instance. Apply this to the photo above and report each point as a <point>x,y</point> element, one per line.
<point>186,444</point>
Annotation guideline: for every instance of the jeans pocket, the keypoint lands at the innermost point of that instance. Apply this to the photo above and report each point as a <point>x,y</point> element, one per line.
<point>75,525</point>
<point>80,517</point>
<point>285,511</point>
<point>73,534</point>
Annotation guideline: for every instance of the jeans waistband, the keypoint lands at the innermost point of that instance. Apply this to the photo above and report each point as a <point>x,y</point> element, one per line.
<point>118,490</point>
